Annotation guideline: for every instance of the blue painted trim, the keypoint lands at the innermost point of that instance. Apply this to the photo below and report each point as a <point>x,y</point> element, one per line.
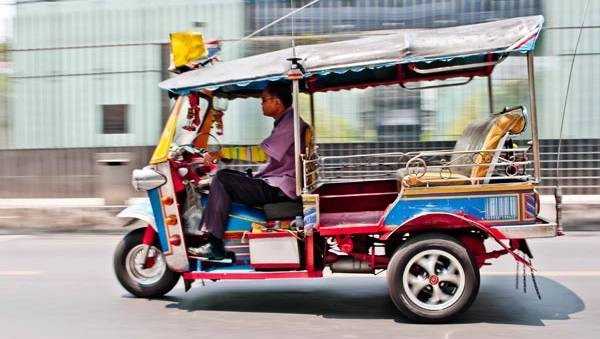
<point>493,208</point>
<point>154,196</point>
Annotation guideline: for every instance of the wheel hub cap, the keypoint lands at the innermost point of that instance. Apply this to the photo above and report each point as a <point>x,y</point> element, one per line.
<point>434,280</point>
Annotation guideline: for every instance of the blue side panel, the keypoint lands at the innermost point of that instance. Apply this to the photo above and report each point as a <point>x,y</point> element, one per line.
<point>504,208</point>
<point>157,211</point>
<point>241,217</point>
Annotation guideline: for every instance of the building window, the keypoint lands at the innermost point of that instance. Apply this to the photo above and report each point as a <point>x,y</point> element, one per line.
<point>114,119</point>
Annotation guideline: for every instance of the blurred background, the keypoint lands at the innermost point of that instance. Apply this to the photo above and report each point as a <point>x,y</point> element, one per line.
<point>80,106</point>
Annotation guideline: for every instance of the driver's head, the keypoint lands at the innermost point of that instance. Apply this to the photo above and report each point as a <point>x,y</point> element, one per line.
<point>276,98</point>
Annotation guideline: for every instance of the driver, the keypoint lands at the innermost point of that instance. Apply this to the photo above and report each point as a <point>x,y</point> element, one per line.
<point>275,182</point>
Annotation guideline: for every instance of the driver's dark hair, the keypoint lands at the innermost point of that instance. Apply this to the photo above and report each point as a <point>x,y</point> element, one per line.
<point>282,91</point>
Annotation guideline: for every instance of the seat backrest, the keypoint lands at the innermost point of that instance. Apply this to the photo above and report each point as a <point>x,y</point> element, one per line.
<point>487,135</point>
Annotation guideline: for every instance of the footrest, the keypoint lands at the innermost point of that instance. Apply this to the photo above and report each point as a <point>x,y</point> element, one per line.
<point>222,261</point>
<point>229,259</point>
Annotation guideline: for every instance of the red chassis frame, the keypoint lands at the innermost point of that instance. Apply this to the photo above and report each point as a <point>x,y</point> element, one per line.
<point>442,222</point>
<point>433,222</point>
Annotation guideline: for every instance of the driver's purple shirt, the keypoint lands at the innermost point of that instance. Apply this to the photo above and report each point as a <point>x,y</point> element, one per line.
<point>280,170</point>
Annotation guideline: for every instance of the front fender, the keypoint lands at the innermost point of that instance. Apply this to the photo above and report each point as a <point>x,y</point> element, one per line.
<point>436,221</point>
<point>141,211</point>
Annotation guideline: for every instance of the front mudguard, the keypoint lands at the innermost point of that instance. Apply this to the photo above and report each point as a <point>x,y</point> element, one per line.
<point>140,211</point>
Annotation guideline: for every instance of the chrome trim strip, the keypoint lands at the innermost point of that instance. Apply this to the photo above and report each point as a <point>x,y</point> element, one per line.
<point>529,231</point>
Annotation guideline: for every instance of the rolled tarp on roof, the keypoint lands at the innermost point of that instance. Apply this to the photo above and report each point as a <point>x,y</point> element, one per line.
<point>406,46</point>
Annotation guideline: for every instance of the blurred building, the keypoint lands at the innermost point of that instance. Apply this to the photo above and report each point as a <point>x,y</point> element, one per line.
<point>84,86</point>
<point>86,72</point>
<point>85,75</point>
<point>5,69</point>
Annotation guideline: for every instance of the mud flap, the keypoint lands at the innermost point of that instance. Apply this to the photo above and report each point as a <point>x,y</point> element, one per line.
<point>497,235</point>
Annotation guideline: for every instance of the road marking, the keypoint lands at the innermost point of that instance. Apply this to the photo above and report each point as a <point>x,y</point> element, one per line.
<point>20,273</point>
<point>552,273</point>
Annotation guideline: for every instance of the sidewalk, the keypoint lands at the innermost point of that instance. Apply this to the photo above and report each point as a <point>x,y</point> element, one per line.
<point>61,215</point>
<point>580,213</point>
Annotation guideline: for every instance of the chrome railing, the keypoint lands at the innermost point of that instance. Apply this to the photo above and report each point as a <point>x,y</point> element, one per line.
<point>427,167</point>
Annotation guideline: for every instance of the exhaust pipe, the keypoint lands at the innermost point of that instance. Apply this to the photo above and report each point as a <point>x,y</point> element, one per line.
<point>348,264</point>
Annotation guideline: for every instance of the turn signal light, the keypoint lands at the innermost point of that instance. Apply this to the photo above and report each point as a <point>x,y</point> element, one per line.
<point>171,220</point>
<point>167,200</point>
<point>175,240</point>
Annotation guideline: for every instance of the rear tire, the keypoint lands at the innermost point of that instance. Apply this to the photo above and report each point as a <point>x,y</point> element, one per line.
<point>151,282</point>
<point>432,278</point>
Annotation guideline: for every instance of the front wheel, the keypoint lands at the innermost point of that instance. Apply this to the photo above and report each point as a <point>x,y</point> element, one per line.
<point>432,278</point>
<point>146,278</point>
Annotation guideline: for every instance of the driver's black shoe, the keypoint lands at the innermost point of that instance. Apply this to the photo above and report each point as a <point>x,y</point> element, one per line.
<point>198,239</point>
<point>212,250</point>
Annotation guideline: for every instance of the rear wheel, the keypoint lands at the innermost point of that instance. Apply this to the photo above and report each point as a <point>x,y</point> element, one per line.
<point>152,280</point>
<point>432,278</point>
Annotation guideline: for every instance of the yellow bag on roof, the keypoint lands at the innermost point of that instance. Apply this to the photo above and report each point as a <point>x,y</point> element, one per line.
<point>187,47</point>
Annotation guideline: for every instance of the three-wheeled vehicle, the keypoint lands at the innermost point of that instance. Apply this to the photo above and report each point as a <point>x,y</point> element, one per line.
<point>423,216</point>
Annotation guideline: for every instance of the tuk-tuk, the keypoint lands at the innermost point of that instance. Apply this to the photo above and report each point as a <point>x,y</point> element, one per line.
<point>424,218</point>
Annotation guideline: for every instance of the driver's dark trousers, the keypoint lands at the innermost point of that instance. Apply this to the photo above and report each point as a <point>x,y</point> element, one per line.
<point>229,186</point>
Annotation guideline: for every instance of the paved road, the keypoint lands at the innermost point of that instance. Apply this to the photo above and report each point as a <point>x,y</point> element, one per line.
<point>62,286</point>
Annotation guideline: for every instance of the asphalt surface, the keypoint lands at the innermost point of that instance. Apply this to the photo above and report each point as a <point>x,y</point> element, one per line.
<point>63,286</point>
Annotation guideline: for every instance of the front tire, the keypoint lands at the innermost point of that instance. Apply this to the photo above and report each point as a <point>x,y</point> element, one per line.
<point>432,278</point>
<point>147,282</point>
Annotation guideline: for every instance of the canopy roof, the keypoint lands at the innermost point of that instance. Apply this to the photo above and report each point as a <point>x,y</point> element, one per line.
<point>399,58</point>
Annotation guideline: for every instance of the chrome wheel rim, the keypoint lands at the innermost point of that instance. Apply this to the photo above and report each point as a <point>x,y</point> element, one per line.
<point>434,280</point>
<point>134,264</point>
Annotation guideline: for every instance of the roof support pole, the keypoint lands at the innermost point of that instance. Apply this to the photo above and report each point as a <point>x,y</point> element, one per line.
<point>312,111</point>
<point>490,93</point>
<point>535,142</point>
<point>295,74</point>
<point>297,141</point>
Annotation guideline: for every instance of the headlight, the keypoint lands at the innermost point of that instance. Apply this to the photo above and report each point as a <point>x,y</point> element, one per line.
<point>146,179</point>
